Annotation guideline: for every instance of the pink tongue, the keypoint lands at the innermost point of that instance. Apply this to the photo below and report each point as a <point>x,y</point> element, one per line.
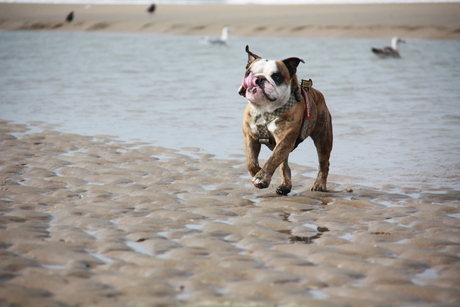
<point>249,81</point>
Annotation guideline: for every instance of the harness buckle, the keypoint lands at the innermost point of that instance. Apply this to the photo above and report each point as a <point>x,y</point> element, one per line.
<point>306,84</point>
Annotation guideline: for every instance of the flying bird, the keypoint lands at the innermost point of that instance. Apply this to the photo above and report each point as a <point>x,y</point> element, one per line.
<point>389,52</point>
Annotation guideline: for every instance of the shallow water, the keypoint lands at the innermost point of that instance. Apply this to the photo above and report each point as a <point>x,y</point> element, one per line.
<point>396,122</point>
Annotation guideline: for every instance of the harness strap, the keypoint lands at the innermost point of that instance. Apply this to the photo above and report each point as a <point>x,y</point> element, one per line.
<point>305,86</point>
<point>262,120</point>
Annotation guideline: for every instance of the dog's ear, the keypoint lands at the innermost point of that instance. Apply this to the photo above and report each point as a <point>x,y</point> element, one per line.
<point>291,64</point>
<point>251,56</point>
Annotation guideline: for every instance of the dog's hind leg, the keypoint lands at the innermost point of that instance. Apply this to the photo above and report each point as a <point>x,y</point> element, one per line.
<point>323,142</point>
<point>286,183</point>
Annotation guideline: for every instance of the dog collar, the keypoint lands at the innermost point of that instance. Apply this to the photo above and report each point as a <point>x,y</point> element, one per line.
<point>263,119</point>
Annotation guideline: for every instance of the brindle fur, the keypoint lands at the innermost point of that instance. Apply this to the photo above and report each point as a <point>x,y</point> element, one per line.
<point>288,130</point>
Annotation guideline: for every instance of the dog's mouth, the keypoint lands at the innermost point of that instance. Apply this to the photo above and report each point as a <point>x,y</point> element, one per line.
<point>252,83</point>
<point>248,82</point>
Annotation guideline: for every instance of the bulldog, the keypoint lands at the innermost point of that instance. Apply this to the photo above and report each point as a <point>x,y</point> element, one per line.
<point>281,113</point>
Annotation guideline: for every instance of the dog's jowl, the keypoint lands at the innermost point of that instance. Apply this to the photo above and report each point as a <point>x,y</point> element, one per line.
<point>281,113</point>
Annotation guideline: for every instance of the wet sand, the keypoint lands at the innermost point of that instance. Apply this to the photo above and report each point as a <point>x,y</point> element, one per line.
<point>95,221</point>
<point>415,20</point>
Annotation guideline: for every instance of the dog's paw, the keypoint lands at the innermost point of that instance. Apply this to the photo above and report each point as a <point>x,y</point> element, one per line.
<point>318,188</point>
<point>283,190</point>
<point>259,183</point>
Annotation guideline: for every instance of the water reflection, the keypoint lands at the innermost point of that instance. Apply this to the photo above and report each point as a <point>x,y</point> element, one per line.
<point>304,239</point>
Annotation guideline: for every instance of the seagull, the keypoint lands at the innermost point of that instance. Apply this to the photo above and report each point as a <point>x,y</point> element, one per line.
<point>69,17</point>
<point>219,40</point>
<point>151,8</point>
<point>389,52</point>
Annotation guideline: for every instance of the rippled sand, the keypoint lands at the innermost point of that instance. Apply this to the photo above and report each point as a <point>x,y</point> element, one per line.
<point>93,221</point>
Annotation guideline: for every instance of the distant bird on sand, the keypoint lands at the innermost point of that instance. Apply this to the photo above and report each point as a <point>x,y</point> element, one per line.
<point>219,40</point>
<point>152,8</point>
<point>69,17</point>
<point>389,52</point>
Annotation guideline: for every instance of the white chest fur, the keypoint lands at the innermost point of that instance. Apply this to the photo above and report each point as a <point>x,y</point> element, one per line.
<point>271,126</point>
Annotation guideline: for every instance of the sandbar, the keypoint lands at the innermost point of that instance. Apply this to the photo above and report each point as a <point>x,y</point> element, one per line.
<point>415,20</point>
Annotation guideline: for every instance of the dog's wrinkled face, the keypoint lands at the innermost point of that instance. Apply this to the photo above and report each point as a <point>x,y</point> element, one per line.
<point>267,84</point>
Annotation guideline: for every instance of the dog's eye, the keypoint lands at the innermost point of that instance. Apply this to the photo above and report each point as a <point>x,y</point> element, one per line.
<point>247,73</point>
<point>277,77</point>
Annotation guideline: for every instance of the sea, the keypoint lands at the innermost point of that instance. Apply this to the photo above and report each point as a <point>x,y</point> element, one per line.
<point>396,121</point>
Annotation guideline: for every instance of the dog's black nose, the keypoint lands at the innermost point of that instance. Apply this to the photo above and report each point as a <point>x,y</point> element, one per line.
<point>260,81</point>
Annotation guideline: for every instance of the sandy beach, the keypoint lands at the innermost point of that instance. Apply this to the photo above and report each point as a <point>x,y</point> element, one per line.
<point>96,220</point>
<point>91,221</point>
<point>415,20</point>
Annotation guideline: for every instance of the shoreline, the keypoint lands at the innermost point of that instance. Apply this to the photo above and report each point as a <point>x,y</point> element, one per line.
<point>414,20</point>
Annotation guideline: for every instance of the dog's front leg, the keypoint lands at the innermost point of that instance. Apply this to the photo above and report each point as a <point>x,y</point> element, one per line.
<point>280,154</point>
<point>286,183</point>
<point>252,149</point>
